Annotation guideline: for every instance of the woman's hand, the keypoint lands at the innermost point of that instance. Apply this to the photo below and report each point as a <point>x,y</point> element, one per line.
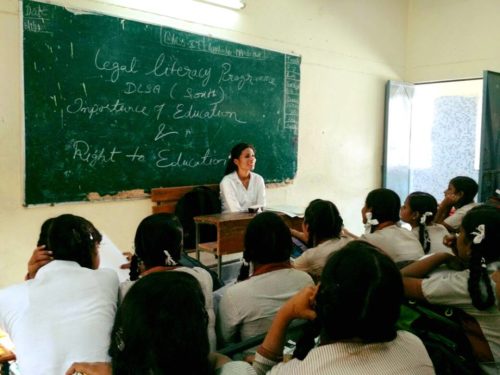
<point>301,305</point>
<point>39,258</point>
<point>87,368</point>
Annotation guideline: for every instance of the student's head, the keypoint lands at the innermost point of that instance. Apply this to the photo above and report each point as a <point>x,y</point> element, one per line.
<point>359,296</point>
<point>322,221</point>
<point>478,244</point>
<point>242,156</point>
<point>267,240</point>
<point>161,327</point>
<point>419,210</point>
<point>75,239</point>
<point>43,238</point>
<point>158,242</point>
<point>384,205</point>
<point>464,188</point>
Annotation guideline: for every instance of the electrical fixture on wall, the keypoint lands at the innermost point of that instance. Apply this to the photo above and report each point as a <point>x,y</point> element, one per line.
<point>232,4</point>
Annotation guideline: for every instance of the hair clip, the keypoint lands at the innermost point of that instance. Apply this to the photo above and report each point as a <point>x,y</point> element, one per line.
<point>479,234</point>
<point>369,220</point>
<point>483,262</point>
<point>424,216</point>
<point>169,261</point>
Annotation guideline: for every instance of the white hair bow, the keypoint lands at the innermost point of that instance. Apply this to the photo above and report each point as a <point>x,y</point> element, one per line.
<point>369,219</point>
<point>169,261</point>
<point>424,216</point>
<point>479,234</point>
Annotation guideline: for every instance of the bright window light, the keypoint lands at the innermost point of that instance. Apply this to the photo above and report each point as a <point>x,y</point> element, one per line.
<point>233,4</point>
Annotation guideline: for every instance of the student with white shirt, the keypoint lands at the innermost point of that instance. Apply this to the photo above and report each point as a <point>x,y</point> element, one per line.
<point>66,310</point>
<point>472,289</point>
<point>355,308</point>
<point>240,187</point>
<point>158,248</point>
<point>459,196</point>
<point>381,216</point>
<point>266,281</point>
<point>419,210</point>
<point>322,230</point>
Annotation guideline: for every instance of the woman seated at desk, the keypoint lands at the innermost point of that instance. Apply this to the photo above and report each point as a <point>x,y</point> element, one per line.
<point>240,188</point>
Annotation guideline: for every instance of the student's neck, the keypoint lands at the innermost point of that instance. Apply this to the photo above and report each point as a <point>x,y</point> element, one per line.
<point>243,175</point>
<point>385,224</point>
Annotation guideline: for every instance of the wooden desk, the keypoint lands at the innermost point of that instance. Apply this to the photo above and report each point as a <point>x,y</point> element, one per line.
<point>231,229</point>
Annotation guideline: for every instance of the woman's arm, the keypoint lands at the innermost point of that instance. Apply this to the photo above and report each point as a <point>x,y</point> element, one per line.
<point>423,267</point>
<point>228,196</point>
<point>40,257</point>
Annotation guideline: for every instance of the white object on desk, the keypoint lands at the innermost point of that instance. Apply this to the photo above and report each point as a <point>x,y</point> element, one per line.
<point>111,257</point>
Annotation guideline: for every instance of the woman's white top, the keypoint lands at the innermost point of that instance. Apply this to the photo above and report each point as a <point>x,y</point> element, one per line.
<point>236,198</point>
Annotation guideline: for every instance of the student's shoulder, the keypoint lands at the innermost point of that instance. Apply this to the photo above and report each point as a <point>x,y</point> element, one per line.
<point>107,275</point>
<point>199,273</point>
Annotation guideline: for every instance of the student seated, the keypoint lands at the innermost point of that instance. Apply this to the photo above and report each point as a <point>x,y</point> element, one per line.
<point>419,210</point>
<point>66,311</point>
<point>247,308</point>
<point>380,216</point>
<point>471,289</point>
<point>161,328</point>
<point>241,188</point>
<point>458,196</point>
<point>158,247</point>
<point>355,308</point>
<point>322,231</point>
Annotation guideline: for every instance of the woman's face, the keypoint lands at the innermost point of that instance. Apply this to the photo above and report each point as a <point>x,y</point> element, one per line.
<point>406,214</point>
<point>246,161</point>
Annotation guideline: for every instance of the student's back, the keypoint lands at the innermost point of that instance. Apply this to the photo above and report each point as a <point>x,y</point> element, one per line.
<point>66,312</point>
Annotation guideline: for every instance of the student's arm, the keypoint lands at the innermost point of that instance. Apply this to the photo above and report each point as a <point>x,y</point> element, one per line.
<point>87,368</point>
<point>39,258</point>
<point>423,267</point>
<point>413,288</point>
<point>299,235</point>
<point>261,193</point>
<point>443,211</point>
<point>300,306</point>
<point>347,233</point>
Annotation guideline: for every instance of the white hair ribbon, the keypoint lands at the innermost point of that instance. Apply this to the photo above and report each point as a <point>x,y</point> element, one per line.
<point>483,262</point>
<point>424,216</point>
<point>497,191</point>
<point>169,261</point>
<point>479,234</point>
<point>369,219</point>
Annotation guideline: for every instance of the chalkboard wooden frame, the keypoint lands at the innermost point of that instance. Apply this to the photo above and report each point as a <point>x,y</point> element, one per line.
<point>115,107</point>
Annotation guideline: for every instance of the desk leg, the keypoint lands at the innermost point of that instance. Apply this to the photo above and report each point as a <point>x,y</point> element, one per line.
<point>219,266</point>
<point>197,228</point>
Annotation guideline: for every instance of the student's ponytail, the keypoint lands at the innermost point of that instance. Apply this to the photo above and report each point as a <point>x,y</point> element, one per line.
<point>134,268</point>
<point>479,281</point>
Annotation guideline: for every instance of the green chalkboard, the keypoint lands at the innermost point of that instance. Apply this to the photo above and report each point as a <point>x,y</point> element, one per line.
<point>114,105</point>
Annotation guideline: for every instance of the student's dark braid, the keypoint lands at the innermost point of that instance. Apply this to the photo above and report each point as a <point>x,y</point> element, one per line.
<point>134,268</point>
<point>423,237</point>
<point>479,280</point>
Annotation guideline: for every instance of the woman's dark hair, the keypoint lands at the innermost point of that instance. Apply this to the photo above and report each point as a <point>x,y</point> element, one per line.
<point>156,234</point>
<point>161,328</point>
<point>483,253</point>
<point>360,294</point>
<point>422,203</point>
<point>267,240</point>
<point>467,186</point>
<point>73,238</point>
<point>323,220</point>
<point>384,205</point>
<point>235,154</point>
<point>43,238</point>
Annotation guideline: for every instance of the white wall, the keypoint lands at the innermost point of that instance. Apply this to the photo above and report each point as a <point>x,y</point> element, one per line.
<point>452,39</point>
<point>349,49</point>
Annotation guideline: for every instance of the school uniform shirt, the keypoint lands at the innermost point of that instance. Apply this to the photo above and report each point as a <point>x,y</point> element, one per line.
<point>454,221</point>
<point>405,354</point>
<point>314,259</point>
<point>206,284</point>
<point>234,196</point>
<point>450,288</point>
<point>248,308</point>
<point>398,243</point>
<point>235,368</point>
<point>436,235</point>
<point>64,315</point>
